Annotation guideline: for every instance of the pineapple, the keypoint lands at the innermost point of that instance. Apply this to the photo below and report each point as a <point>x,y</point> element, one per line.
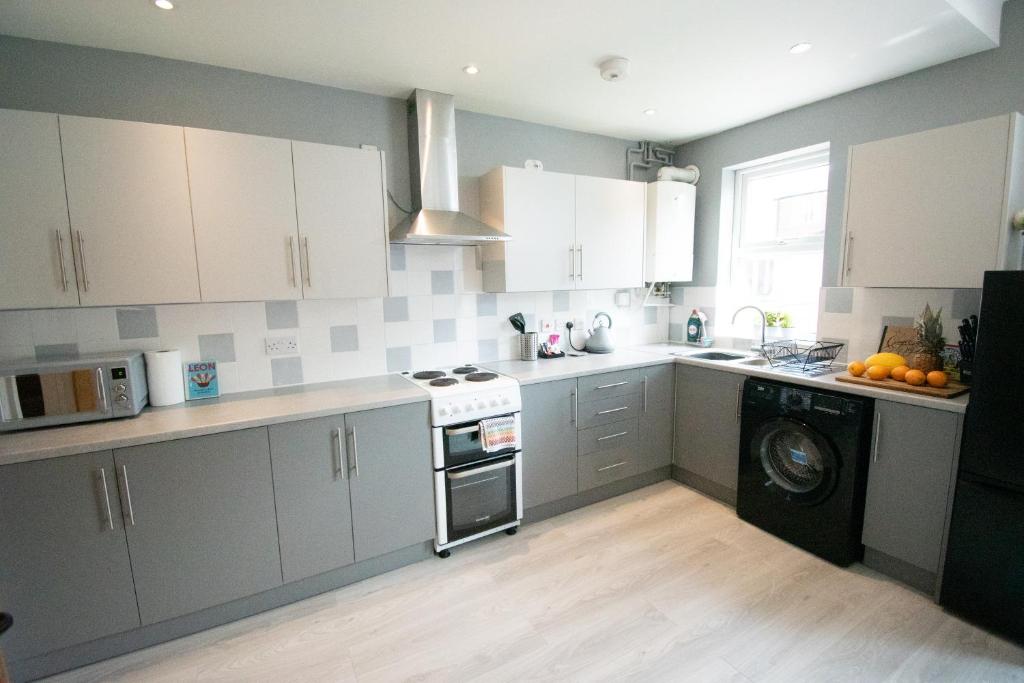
<point>930,342</point>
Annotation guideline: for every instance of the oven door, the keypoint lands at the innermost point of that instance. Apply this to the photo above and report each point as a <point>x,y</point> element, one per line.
<point>481,497</point>
<point>51,398</point>
<point>461,444</point>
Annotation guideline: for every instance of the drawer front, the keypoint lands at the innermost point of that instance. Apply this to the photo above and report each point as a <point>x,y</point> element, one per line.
<point>608,410</point>
<point>622,434</point>
<point>604,467</point>
<point>609,384</point>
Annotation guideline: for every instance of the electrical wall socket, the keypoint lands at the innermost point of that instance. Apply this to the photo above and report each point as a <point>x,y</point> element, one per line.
<point>547,326</point>
<point>285,345</point>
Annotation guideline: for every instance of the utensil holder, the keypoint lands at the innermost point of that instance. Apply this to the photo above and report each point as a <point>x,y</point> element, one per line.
<point>528,346</point>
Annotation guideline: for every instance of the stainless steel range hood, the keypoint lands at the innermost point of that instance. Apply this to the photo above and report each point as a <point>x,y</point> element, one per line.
<point>434,171</point>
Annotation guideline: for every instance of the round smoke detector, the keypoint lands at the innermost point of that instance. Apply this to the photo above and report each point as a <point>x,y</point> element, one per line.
<point>614,69</point>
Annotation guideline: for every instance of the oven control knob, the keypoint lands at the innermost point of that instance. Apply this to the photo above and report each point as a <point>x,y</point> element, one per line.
<point>444,411</point>
<point>456,409</point>
<point>121,398</point>
<point>480,405</point>
<point>505,401</point>
<point>494,403</point>
<point>120,387</point>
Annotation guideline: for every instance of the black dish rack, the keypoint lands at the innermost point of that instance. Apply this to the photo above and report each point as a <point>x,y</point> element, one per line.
<point>801,355</point>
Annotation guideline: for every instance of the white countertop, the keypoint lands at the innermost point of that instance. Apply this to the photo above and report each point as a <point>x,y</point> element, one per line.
<point>234,411</point>
<point>529,372</point>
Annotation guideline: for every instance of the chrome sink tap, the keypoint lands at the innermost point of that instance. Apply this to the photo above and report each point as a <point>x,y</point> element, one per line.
<point>764,324</point>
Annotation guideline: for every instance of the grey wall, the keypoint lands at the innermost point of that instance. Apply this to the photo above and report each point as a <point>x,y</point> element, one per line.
<point>55,77</point>
<point>982,85</point>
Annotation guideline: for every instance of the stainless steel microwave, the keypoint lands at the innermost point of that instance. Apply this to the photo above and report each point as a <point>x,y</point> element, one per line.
<point>58,392</point>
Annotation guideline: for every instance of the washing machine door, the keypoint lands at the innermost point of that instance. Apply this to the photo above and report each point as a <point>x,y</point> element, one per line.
<point>801,465</point>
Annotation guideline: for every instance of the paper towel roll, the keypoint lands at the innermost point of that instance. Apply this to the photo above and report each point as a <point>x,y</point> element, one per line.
<point>163,374</point>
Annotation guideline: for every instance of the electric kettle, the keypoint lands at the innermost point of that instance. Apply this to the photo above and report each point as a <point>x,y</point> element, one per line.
<point>600,339</point>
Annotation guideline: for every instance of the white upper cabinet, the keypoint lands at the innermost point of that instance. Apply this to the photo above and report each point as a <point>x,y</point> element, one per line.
<point>36,265</point>
<point>610,230</point>
<point>537,210</point>
<point>243,207</point>
<point>567,232</point>
<point>340,199</point>
<point>669,245</point>
<point>934,209</point>
<point>128,198</point>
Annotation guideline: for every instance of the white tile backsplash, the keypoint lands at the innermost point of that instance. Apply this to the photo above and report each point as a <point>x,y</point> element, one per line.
<point>95,330</point>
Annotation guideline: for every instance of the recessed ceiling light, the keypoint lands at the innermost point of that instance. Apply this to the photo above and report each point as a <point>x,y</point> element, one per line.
<point>800,48</point>
<point>164,4</point>
<point>650,112</point>
<point>471,69</point>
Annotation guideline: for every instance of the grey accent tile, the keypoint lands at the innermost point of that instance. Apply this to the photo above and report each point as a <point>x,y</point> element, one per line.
<point>57,352</point>
<point>344,338</point>
<point>839,299</point>
<point>137,323</point>
<point>444,330</point>
<point>399,358</point>
<point>675,332</point>
<point>286,370</point>
<point>487,350</point>
<point>559,301</point>
<point>396,309</point>
<point>676,295</point>
<point>282,315</point>
<point>220,347</point>
<point>650,315</point>
<point>487,304</point>
<point>442,282</point>
<point>966,302</point>
<point>897,321</point>
<point>397,257</point>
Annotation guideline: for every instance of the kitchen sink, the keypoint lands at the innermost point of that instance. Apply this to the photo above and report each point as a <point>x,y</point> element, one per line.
<point>754,361</point>
<point>717,355</point>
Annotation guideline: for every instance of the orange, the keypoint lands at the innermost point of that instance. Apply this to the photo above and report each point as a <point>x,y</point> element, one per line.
<point>856,368</point>
<point>937,379</point>
<point>914,377</point>
<point>899,372</point>
<point>878,372</point>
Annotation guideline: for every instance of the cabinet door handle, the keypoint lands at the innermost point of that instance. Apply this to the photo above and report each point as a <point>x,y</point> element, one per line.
<point>106,498</point>
<point>127,494</point>
<point>355,453</point>
<point>739,402</point>
<point>575,406</point>
<point>612,436</point>
<point>644,382</point>
<point>60,257</point>
<point>309,264</point>
<point>878,434</point>
<point>612,410</point>
<point>849,253</point>
<point>339,469</point>
<point>612,467</point>
<point>291,260</point>
<point>614,384</point>
<point>81,257</point>
<point>572,263</point>
<point>579,249</point>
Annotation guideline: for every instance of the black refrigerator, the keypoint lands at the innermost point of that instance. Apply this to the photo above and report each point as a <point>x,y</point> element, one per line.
<point>983,578</point>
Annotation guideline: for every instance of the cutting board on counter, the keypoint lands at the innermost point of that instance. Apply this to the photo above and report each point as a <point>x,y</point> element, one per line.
<point>949,391</point>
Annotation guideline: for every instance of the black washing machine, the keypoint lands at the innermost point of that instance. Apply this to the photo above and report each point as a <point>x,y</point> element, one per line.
<point>804,466</point>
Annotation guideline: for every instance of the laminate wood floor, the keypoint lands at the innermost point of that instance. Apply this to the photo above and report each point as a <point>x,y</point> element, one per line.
<point>661,584</point>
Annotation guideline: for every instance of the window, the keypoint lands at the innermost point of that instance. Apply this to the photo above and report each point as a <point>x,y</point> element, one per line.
<point>774,238</point>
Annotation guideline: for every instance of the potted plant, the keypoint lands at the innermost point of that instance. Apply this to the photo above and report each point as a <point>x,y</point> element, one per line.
<point>930,342</point>
<point>779,325</point>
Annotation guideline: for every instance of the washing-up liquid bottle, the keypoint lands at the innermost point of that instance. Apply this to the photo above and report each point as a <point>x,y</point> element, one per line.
<point>693,327</point>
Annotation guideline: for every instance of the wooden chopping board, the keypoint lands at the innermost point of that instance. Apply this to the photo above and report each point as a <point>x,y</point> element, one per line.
<point>949,391</point>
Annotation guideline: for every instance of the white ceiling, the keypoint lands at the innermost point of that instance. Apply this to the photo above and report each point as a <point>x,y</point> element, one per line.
<point>704,65</point>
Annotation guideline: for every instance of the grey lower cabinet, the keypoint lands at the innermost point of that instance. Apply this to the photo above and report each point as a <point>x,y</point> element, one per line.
<point>314,513</point>
<point>707,428</point>
<point>549,441</point>
<point>201,523</point>
<point>391,478</point>
<point>64,568</point>
<point>909,481</point>
<point>657,416</point>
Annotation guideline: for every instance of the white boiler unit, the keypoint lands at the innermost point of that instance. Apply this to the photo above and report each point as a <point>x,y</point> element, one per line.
<point>670,212</point>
